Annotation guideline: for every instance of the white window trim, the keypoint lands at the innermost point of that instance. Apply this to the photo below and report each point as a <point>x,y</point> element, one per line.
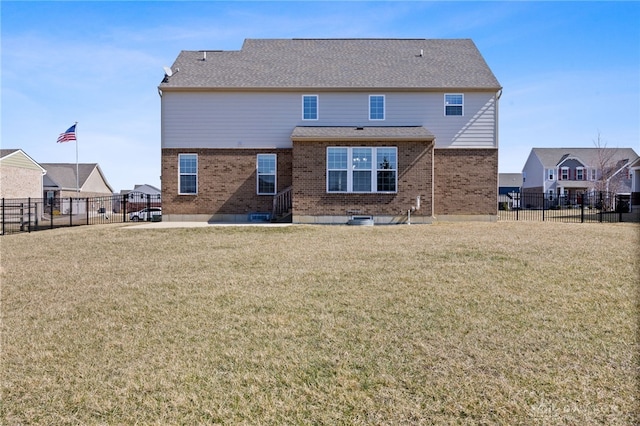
<point>580,170</point>
<point>187,174</point>
<point>445,104</point>
<point>551,174</point>
<point>274,174</point>
<point>374,170</point>
<point>317,108</point>
<point>562,170</point>
<point>384,108</point>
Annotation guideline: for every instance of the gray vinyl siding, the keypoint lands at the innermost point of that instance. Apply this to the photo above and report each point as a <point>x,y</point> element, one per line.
<point>266,119</point>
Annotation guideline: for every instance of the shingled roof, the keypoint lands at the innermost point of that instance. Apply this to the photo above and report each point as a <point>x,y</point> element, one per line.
<point>351,64</point>
<point>552,157</point>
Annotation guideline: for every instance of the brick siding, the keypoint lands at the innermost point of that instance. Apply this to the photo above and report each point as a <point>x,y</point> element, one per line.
<point>226,181</point>
<point>466,181</point>
<point>310,195</point>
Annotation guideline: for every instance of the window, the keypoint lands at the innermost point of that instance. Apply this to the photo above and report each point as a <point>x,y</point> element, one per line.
<point>593,174</point>
<point>362,169</point>
<point>376,107</point>
<point>579,173</point>
<point>310,107</point>
<point>564,173</point>
<point>266,171</point>
<point>188,173</point>
<point>453,104</point>
<point>550,173</point>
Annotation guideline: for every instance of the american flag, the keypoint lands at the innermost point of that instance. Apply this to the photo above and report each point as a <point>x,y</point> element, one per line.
<point>69,135</point>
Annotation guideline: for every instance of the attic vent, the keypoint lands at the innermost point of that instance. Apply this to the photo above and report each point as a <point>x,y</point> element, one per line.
<point>359,128</point>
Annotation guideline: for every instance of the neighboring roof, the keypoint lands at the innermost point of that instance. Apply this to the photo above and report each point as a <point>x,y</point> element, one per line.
<point>310,133</point>
<point>551,157</point>
<point>510,179</point>
<point>5,152</point>
<point>63,175</point>
<point>144,189</point>
<point>427,64</point>
<point>19,158</point>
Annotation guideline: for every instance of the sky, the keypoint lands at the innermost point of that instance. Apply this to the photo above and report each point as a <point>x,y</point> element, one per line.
<point>570,71</point>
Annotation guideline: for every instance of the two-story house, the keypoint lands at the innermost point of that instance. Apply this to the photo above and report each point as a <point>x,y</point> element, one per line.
<point>568,173</point>
<point>385,128</point>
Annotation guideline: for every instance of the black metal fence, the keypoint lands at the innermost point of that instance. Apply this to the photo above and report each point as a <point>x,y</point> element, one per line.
<point>36,214</point>
<point>575,207</point>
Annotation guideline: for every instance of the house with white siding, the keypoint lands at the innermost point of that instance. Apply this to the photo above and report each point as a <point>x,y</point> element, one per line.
<point>328,129</point>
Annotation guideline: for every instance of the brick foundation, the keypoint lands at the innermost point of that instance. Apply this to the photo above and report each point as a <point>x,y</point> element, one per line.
<point>466,182</point>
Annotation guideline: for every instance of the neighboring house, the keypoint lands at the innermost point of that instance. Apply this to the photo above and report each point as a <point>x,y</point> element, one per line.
<point>570,172</point>
<point>634,167</point>
<point>20,175</point>
<point>141,195</point>
<point>509,186</point>
<point>336,127</point>
<point>60,183</point>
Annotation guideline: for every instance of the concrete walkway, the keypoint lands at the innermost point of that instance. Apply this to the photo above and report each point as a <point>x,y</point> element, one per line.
<point>166,225</point>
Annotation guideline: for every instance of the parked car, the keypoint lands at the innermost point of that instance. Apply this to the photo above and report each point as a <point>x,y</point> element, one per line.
<point>154,214</point>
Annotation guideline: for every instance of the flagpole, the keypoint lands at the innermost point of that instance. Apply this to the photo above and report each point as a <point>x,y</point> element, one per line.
<point>77,168</point>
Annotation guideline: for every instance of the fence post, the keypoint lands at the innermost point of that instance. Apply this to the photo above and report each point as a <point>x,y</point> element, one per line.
<point>70,212</point>
<point>87,209</point>
<point>544,204</point>
<point>582,208</point>
<point>29,214</point>
<point>601,207</point>
<point>148,207</point>
<point>51,212</point>
<point>124,207</point>
<point>3,216</point>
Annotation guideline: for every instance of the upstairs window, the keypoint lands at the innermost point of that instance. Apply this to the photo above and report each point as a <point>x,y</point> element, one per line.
<point>564,173</point>
<point>310,107</point>
<point>376,107</point>
<point>550,174</point>
<point>266,167</point>
<point>579,173</point>
<point>362,169</point>
<point>188,173</point>
<point>453,104</point>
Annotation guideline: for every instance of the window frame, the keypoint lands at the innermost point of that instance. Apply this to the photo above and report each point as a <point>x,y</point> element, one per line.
<point>373,168</point>
<point>564,176</point>
<point>182,173</point>
<point>317,108</point>
<point>580,173</point>
<point>274,174</point>
<point>456,105</point>
<point>384,107</point>
<point>551,174</point>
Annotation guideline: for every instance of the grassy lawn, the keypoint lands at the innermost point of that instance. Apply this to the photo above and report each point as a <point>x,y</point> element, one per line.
<point>485,323</point>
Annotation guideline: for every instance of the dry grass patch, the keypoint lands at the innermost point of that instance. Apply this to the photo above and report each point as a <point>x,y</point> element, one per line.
<point>504,323</point>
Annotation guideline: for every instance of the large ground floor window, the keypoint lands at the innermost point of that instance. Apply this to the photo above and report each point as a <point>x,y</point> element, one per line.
<point>362,169</point>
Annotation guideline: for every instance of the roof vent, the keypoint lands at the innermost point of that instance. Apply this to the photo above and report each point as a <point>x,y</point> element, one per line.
<point>421,53</point>
<point>359,128</point>
<point>204,55</point>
